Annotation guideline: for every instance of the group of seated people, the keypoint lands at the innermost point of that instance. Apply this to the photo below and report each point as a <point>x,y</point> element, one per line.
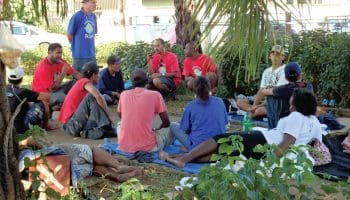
<point>84,100</point>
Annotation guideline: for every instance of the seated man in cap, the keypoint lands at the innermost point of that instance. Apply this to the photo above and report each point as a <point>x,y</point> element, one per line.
<point>34,111</point>
<point>272,76</point>
<point>111,83</point>
<point>137,109</point>
<point>196,64</point>
<point>84,112</point>
<point>292,73</point>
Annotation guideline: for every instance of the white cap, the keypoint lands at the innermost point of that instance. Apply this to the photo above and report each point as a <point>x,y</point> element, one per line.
<point>16,73</point>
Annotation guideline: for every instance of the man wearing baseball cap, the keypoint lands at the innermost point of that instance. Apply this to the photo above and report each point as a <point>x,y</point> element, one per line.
<point>272,76</point>
<point>292,73</point>
<point>34,114</point>
<point>84,112</point>
<point>111,83</point>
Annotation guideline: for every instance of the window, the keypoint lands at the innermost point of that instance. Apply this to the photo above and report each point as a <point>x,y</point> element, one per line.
<point>156,19</point>
<point>19,30</point>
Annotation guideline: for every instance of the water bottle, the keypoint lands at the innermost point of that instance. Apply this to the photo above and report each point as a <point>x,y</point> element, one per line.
<point>162,69</point>
<point>247,122</point>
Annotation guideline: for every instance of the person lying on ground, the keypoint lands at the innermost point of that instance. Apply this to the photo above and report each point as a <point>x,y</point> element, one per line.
<point>292,72</point>
<point>197,64</point>
<point>35,109</point>
<point>111,83</point>
<point>137,109</point>
<point>84,112</point>
<point>272,76</point>
<point>95,160</point>
<point>203,118</point>
<point>300,127</point>
<point>49,74</point>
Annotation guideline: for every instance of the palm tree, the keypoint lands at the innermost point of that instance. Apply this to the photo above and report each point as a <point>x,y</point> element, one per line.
<point>10,185</point>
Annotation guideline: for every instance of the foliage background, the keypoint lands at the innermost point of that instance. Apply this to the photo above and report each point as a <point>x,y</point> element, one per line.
<point>324,57</point>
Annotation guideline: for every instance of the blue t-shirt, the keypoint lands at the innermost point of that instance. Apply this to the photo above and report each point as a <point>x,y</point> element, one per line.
<point>204,120</point>
<point>108,83</point>
<point>83,29</point>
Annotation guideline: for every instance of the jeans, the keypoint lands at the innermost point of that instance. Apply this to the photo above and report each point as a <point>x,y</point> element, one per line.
<point>59,95</point>
<point>180,135</point>
<point>88,121</point>
<point>78,63</point>
<point>109,99</point>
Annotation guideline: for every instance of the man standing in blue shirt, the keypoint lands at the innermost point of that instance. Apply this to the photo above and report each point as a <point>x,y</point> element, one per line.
<point>111,82</point>
<point>81,32</point>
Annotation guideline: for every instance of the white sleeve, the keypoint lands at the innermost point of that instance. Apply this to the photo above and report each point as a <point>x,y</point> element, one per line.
<point>263,79</point>
<point>282,79</point>
<point>293,125</point>
<point>317,130</point>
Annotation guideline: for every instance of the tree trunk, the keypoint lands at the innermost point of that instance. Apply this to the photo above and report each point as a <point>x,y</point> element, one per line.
<point>10,184</point>
<point>121,19</point>
<point>185,31</point>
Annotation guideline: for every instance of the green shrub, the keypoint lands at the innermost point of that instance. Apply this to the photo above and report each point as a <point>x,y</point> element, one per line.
<point>325,60</point>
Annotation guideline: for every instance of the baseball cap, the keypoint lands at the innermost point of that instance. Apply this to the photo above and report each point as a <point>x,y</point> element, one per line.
<point>90,67</point>
<point>16,73</point>
<point>114,59</point>
<point>292,69</point>
<point>278,49</point>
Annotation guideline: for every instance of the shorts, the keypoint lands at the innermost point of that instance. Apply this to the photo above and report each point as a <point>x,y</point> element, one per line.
<point>168,82</point>
<point>81,160</point>
<point>164,138</point>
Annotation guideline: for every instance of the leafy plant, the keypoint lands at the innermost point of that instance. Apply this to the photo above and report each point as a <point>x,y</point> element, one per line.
<point>290,177</point>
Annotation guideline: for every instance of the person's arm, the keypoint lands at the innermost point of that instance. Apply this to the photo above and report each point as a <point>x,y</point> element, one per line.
<point>43,96</point>
<point>284,145</point>
<point>101,85</point>
<point>70,37</point>
<point>165,120</point>
<point>149,63</point>
<point>100,100</point>
<point>263,92</point>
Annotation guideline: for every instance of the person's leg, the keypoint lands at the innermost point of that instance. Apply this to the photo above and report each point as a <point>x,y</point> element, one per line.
<point>202,153</point>
<point>88,110</point>
<point>116,176</point>
<point>57,98</point>
<point>213,80</point>
<point>159,85</point>
<point>259,112</point>
<point>164,138</point>
<point>109,100</point>
<point>243,103</point>
<point>179,134</point>
<point>104,159</point>
<point>189,83</point>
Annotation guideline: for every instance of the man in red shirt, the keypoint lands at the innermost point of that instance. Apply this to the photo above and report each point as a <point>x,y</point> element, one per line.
<point>49,74</point>
<point>164,70</point>
<point>196,64</point>
<point>84,112</point>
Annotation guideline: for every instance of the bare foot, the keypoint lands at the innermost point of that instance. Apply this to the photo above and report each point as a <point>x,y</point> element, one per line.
<point>51,126</point>
<point>138,173</point>
<point>176,161</point>
<point>163,155</point>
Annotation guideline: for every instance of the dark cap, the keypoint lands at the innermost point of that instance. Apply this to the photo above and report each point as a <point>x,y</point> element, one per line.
<point>89,68</point>
<point>139,77</point>
<point>292,69</point>
<point>114,59</point>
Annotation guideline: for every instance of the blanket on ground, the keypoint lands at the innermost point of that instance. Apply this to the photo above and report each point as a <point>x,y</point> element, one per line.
<point>172,149</point>
<point>340,165</point>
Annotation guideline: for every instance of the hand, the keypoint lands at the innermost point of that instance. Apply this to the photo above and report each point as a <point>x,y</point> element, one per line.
<point>155,75</point>
<point>149,56</point>
<point>253,108</point>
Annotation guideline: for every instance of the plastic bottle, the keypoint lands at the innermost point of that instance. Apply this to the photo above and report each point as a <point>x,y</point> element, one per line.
<point>247,122</point>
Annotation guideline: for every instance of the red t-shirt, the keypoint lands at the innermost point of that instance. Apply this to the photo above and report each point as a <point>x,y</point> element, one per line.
<point>73,99</point>
<point>202,64</point>
<point>45,73</point>
<point>171,65</point>
<point>138,108</point>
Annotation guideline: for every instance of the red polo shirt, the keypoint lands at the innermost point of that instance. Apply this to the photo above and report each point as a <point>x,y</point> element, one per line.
<point>171,65</point>
<point>202,62</point>
<point>73,99</point>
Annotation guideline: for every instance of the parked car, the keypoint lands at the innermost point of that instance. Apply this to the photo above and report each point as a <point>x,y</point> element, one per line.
<point>30,36</point>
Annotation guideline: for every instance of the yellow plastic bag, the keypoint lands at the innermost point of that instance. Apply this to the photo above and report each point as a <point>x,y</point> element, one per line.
<point>10,49</point>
